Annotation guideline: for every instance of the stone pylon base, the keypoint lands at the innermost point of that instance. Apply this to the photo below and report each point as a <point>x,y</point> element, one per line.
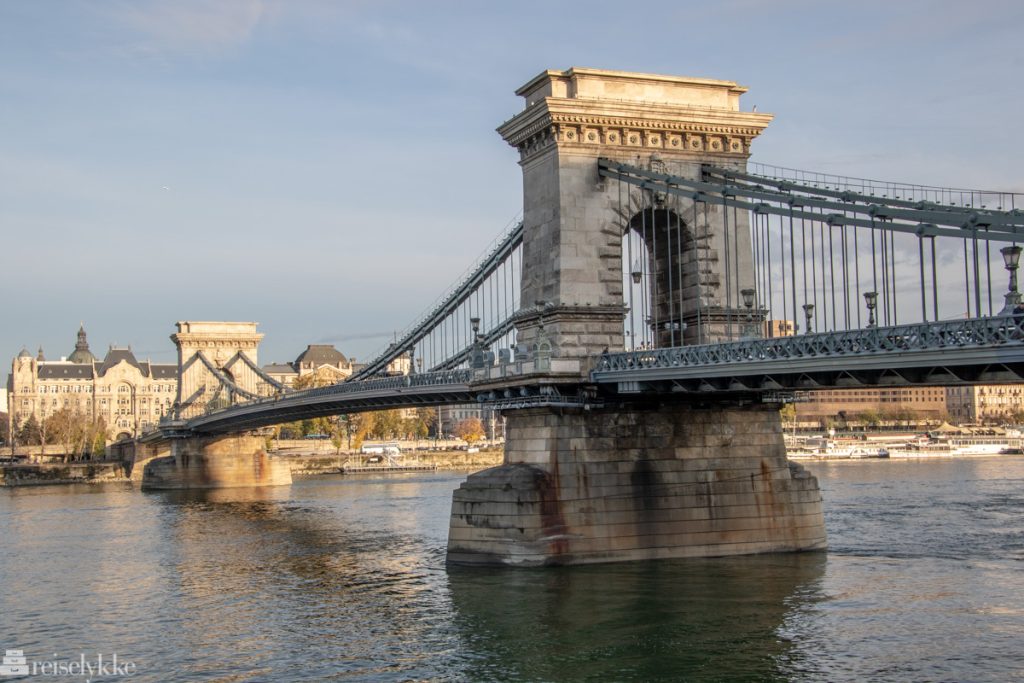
<point>675,481</point>
<point>215,462</point>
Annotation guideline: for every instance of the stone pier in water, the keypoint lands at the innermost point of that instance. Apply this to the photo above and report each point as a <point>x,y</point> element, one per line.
<point>215,462</point>
<point>662,482</point>
<point>634,472</point>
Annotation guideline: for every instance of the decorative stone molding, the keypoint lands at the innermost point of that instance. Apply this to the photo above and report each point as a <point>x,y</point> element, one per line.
<point>558,112</point>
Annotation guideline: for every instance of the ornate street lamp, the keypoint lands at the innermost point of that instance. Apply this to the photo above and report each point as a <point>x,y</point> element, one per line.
<point>808,314</point>
<point>477,353</point>
<point>871,299</point>
<point>1011,259</point>
<point>748,303</point>
<point>636,273</point>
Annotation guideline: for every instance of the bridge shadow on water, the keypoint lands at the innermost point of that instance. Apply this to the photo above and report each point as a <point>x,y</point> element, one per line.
<point>696,619</point>
<point>329,580</point>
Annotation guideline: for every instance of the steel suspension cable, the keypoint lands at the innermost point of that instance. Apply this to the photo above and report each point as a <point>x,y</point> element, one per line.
<point>832,275</point>
<point>698,262</point>
<point>803,263</point>
<point>782,260</point>
<point>885,274</point>
<point>814,280</point>
<point>856,270</point>
<point>920,261</point>
<point>679,269</point>
<point>824,286</point>
<point>792,269</point>
<point>736,262</point>
<point>655,273</point>
<point>967,280</point>
<point>728,277</point>
<point>892,274</point>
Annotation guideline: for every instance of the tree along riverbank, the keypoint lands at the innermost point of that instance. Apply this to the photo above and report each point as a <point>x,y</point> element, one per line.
<point>307,463</point>
<point>42,474</point>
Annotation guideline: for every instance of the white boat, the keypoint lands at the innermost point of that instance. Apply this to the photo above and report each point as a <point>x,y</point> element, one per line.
<point>935,445</point>
<point>828,450</point>
<point>955,447</point>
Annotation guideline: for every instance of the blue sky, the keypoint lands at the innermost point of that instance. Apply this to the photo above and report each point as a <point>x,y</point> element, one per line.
<point>329,168</point>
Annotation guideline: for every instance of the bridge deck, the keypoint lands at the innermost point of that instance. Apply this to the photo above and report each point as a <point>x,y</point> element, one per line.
<point>436,388</point>
<point>948,352</point>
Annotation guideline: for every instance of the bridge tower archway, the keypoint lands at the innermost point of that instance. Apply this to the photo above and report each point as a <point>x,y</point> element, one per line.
<point>205,345</point>
<point>661,284</point>
<point>574,220</point>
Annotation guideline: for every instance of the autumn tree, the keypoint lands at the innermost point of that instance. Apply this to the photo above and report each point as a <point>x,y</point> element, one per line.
<point>428,416</point>
<point>469,430</point>
<point>415,427</point>
<point>387,424</point>
<point>788,413</point>
<point>356,427</point>
<point>869,417</point>
<point>316,425</point>
<point>98,437</point>
<point>71,429</point>
<point>30,432</point>
<point>291,430</point>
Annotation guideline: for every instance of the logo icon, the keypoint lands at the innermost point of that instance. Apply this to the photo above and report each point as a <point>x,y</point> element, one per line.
<point>14,664</point>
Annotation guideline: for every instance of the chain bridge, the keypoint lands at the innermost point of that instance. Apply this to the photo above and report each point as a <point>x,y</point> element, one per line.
<point>641,325</point>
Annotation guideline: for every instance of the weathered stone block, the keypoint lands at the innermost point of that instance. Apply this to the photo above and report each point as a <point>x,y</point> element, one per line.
<point>215,462</point>
<point>639,493</point>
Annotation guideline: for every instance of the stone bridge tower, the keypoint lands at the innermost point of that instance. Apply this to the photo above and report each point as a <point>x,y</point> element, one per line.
<point>640,475</point>
<point>208,352</point>
<point>575,221</point>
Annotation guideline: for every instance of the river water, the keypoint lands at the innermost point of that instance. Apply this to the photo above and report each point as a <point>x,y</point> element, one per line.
<point>344,579</point>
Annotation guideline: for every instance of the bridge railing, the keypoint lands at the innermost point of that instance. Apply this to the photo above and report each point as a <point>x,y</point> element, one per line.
<point>391,383</point>
<point>987,332</point>
<point>713,252</point>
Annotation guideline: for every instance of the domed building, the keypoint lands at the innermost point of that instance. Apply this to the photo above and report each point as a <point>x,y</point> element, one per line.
<point>323,360</point>
<point>82,354</point>
<point>128,394</point>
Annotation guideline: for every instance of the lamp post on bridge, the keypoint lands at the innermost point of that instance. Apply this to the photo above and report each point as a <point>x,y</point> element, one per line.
<point>871,299</point>
<point>1011,259</point>
<point>808,315</point>
<point>748,303</point>
<point>671,328</point>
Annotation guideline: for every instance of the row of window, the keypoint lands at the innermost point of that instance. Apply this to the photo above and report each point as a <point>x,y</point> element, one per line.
<point>88,389</point>
<point>880,399</point>
<point>26,403</point>
<point>917,393</point>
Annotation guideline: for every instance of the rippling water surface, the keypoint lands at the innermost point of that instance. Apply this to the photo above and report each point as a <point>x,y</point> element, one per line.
<point>344,579</point>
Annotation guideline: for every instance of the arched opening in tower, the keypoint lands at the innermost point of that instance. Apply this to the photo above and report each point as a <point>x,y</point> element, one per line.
<point>659,280</point>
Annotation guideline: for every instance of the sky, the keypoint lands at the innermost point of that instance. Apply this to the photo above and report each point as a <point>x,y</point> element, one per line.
<point>328,169</point>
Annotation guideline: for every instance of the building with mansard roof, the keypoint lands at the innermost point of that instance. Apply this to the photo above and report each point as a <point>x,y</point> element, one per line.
<point>128,394</point>
<point>328,363</point>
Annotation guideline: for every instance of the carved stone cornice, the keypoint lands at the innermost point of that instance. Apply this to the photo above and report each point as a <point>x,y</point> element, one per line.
<point>610,126</point>
<point>560,313</point>
<point>206,341</point>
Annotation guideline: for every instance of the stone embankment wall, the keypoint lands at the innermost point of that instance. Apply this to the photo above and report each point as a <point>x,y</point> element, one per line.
<point>65,473</point>
<point>313,463</point>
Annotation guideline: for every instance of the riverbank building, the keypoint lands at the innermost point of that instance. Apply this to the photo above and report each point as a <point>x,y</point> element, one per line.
<point>128,394</point>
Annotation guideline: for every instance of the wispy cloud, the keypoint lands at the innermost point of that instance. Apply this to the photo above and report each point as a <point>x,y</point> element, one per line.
<point>191,27</point>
